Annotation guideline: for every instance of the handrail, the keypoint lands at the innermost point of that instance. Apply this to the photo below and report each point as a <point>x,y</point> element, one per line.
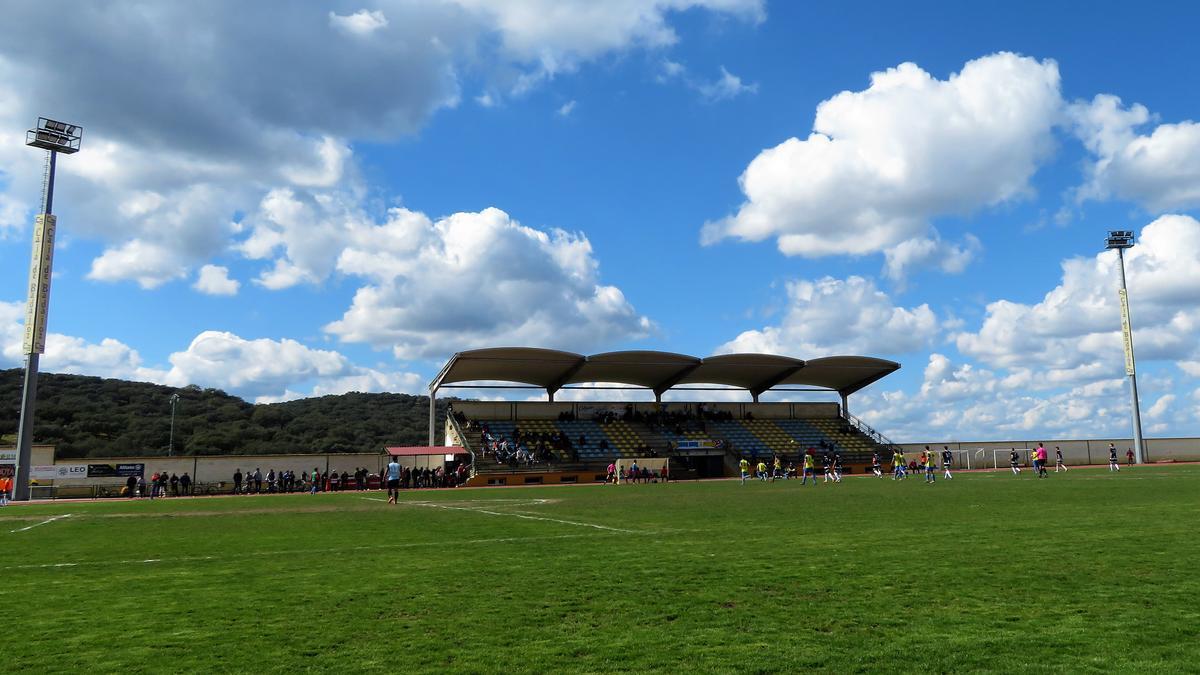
<point>462,438</point>
<point>869,431</point>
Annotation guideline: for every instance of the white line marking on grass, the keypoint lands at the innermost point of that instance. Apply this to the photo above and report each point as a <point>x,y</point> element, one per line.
<point>322,552</point>
<point>433,505</point>
<point>49,520</point>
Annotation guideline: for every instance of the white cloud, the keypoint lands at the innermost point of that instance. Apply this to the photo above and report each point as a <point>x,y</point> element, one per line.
<point>902,258</point>
<point>224,112</point>
<point>255,369</point>
<point>566,109</point>
<point>957,401</point>
<point>360,23</point>
<point>1073,334</point>
<point>1160,171</point>
<point>275,369</point>
<point>68,354</point>
<point>840,316</point>
<point>150,264</point>
<point>558,35</point>
<point>214,280</point>
<point>882,162</point>
<point>725,87</point>
<point>1161,406</point>
<point>478,279</point>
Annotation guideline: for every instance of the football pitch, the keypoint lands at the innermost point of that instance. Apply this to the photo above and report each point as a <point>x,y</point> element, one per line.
<point>1084,571</point>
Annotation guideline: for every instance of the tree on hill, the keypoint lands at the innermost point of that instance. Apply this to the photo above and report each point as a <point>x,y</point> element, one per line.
<point>96,417</point>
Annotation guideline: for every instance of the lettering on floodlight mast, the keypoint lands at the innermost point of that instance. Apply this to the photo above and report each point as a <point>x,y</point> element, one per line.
<point>39,284</point>
<point>1126,332</point>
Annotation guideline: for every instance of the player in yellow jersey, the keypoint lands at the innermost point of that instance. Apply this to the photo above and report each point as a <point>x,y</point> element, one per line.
<point>745,468</point>
<point>808,469</point>
<point>897,465</point>
<point>762,471</point>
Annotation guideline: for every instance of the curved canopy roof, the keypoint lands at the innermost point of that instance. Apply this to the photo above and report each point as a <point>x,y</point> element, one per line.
<point>659,371</point>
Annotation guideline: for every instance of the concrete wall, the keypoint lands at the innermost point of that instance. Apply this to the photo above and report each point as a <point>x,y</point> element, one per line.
<point>213,469</point>
<point>1075,451</point>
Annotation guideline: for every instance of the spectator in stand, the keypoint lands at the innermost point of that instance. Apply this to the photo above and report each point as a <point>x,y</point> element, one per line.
<point>257,480</point>
<point>174,485</point>
<point>271,480</point>
<point>131,486</point>
<point>185,483</point>
<point>237,481</point>
<point>314,481</point>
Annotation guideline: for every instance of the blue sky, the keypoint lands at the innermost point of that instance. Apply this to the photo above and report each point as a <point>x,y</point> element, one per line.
<point>341,202</point>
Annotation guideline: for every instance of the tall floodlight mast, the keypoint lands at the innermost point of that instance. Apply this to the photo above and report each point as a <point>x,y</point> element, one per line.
<point>55,137</point>
<point>1121,240</point>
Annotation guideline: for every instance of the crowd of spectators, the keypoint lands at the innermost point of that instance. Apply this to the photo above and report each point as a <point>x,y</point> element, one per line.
<point>525,447</point>
<point>163,484</point>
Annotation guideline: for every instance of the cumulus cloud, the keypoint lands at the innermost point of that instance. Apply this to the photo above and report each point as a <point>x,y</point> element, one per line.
<point>214,280</point>
<point>224,113</point>
<point>1160,170</point>
<point>901,259</point>
<point>269,369</point>
<point>959,401</point>
<point>68,354</point>
<point>1073,334</point>
<point>566,109</point>
<point>476,279</point>
<point>882,162</point>
<point>840,316</point>
<point>263,370</point>
<point>361,23</point>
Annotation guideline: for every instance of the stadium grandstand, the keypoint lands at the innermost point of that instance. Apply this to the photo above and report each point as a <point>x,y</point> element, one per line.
<point>531,442</point>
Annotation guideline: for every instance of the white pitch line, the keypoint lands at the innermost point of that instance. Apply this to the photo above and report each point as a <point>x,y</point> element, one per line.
<point>328,551</point>
<point>510,515</point>
<point>49,520</point>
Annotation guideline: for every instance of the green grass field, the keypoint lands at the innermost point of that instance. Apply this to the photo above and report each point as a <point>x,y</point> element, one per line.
<point>1080,572</point>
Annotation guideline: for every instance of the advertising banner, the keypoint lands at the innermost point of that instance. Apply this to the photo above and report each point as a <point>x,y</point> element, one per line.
<point>8,456</point>
<point>115,471</point>
<point>39,284</point>
<point>1126,333</point>
<point>58,471</point>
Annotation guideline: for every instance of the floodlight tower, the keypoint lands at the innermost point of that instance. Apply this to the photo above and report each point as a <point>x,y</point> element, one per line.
<point>54,137</point>
<point>1121,240</point>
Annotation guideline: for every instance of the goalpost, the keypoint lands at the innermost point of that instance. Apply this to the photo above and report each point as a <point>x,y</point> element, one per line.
<point>654,464</point>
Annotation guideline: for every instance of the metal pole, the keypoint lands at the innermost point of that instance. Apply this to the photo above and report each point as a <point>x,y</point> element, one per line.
<point>432,415</point>
<point>29,391</point>
<point>1137,415</point>
<point>171,447</point>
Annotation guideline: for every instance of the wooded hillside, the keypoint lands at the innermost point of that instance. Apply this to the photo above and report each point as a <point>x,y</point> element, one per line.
<point>96,417</point>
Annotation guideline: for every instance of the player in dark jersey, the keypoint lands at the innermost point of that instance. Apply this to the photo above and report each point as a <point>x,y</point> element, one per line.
<point>827,466</point>
<point>947,460</point>
<point>1058,460</point>
<point>837,466</point>
<point>876,468</point>
<point>1014,460</point>
<point>1113,463</point>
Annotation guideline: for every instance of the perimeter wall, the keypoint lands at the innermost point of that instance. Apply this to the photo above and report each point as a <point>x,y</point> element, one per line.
<point>1075,451</point>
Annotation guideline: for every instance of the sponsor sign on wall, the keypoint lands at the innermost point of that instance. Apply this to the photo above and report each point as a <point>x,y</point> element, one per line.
<point>8,456</point>
<point>115,470</point>
<point>58,471</point>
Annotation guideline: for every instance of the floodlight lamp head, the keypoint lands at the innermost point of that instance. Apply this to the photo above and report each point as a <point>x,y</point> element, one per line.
<point>55,136</point>
<point>1119,239</point>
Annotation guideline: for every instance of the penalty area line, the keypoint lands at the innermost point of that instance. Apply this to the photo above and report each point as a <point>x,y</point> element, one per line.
<point>48,520</point>
<point>511,515</point>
